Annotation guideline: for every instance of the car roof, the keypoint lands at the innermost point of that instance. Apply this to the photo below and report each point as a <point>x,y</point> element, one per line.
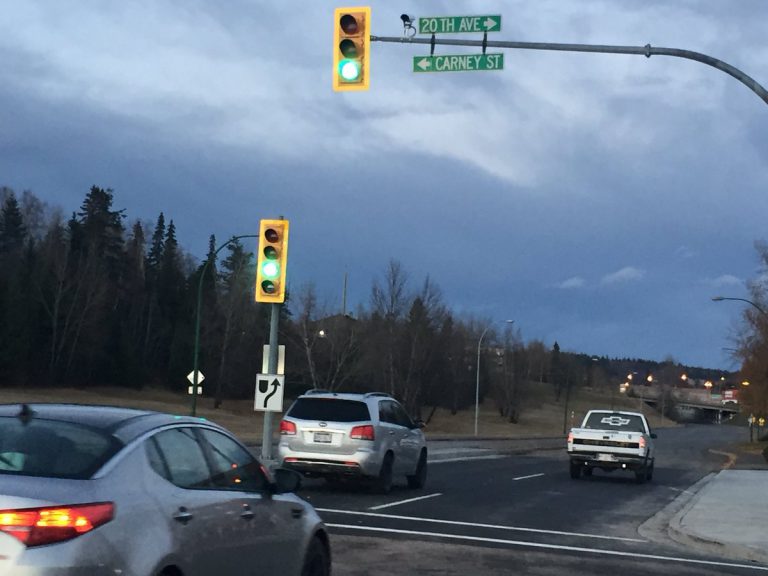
<point>123,423</point>
<point>347,396</point>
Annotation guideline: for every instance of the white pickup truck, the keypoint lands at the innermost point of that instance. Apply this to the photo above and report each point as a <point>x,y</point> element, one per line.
<point>611,441</point>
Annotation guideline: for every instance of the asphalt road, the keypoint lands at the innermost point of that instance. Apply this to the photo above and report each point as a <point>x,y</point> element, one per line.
<point>485,512</point>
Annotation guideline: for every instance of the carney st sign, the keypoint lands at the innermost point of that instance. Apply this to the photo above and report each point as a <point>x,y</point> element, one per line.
<point>458,63</point>
<point>459,24</point>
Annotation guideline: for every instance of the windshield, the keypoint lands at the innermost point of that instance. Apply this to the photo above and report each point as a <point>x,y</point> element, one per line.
<point>52,449</point>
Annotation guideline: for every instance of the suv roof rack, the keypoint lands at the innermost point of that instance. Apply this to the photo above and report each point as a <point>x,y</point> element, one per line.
<point>318,391</point>
<point>374,394</point>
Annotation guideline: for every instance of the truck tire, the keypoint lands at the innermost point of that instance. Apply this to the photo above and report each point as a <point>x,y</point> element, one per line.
<point>575,470</point>
<point>649,472</point>
<point>641,474</point>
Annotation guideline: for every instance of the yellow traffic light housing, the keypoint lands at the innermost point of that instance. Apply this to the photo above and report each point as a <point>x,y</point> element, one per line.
<point>351,48</point>
<point>272,261</point>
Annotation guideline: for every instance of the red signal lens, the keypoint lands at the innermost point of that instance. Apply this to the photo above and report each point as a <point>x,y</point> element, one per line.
<point>349,24</point>
<point>271,235</point>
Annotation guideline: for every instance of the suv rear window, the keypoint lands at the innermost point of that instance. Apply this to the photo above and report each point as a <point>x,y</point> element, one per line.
<point>53,449</point>
<point>329,410</point>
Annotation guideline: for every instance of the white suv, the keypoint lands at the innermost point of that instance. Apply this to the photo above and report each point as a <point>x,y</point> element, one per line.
<point>364,436</point>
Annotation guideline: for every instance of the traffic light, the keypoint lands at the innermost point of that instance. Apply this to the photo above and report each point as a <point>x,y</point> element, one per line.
<point>272,261</point>
<point>351,48</point>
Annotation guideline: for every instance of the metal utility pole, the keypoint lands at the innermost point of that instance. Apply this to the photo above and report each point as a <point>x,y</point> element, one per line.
<point>646,51</point>
<point>266,444</point>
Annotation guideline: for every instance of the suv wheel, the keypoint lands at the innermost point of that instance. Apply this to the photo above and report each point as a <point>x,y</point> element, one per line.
<point>419,478</point>
<point>384,480</point>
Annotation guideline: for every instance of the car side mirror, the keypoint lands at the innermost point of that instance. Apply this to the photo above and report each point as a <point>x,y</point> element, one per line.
<point>653,436</point>
<point>286,481</point>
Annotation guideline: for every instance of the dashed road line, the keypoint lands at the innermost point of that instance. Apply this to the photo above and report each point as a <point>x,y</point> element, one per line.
<point>467,458</point>
<point>529,476</point>
<point>381,507</point>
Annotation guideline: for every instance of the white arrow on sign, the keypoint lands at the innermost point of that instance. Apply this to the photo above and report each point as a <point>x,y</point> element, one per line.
<point>490,23</point>
<point>191,377</point>
<point>424,63</point>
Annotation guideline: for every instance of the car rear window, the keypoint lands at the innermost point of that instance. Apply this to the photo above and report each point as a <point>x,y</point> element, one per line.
<point>609,421</point>
<point>329,410</point>
<point>53,449</point>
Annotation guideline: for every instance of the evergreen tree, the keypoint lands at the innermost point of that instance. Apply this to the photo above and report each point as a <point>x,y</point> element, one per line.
<point>12,228</point>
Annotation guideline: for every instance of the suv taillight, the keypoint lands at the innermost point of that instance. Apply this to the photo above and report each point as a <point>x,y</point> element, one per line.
<point>287,428</point>
<point>362,433</point>
<point>38,526</point>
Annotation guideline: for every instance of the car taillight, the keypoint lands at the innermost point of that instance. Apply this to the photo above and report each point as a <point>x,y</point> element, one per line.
<point>38,526</point>
<point>642,442</point>
<point>362,433</point>
<point>287,428</point>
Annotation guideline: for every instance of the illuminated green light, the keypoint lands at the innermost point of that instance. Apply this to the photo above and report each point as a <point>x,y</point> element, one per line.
<point>270,269</point>
<point>349,70</point>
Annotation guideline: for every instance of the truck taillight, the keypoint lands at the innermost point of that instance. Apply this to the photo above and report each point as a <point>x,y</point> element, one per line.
<point>642,442</point>
<point>570,437</point>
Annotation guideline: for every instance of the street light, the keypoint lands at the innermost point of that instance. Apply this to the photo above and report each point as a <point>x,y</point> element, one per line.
<point>477,383</point>
<point>721,298</point>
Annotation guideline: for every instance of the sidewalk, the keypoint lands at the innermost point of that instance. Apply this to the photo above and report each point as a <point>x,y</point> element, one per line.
<point>728,515</point>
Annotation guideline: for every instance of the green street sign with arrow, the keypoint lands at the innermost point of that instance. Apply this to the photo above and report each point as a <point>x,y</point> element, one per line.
<point>459,24</point>
<point>458,63</point>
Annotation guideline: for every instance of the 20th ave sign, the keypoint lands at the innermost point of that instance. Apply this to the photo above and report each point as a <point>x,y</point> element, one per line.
<point>458,63</point>
<point>459,24</point>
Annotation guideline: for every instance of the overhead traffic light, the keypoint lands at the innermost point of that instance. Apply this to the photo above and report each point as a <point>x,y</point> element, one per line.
<point>351,48</point>
<point>272,261</point>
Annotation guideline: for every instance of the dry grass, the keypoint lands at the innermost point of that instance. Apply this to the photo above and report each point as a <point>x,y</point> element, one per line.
<point>541,416</point>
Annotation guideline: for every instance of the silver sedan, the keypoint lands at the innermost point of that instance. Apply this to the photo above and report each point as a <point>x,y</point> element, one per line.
<point>100,490</point>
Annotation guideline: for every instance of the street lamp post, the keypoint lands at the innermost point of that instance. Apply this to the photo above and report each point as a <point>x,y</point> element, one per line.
<point>477,382</point>
<point>758,308</point>
<point>196,357</point>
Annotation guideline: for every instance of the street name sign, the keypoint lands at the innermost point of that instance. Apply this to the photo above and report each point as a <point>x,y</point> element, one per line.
<point>269,392</point>
<point>458,63</point>
<point>459,24</point>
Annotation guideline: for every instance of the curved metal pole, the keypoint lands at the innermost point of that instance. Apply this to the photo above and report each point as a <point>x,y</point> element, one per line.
<point>197,315</point>
<point>477,384</point>
<point>721,298</point>
<point>646,51</point>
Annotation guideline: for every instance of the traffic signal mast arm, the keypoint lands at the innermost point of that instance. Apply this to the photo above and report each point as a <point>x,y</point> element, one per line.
<point>646,51</point>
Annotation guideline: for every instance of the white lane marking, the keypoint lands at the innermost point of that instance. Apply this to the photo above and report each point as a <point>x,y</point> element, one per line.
<point>405,501</point>
<point>465,458</point>
<point>475,525</point>
<point>529,476</point>
<point>551,546</point>
<point>458,450</point>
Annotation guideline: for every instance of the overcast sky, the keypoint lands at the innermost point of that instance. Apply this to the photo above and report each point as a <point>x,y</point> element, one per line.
<point>598,200</point>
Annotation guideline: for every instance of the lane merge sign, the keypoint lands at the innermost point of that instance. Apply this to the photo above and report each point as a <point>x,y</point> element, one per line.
<point>269,392</point>
<point>458,63</point>
<point>459,24</point>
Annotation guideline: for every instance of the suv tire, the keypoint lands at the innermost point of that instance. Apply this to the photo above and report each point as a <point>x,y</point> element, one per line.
<point>419,478</point>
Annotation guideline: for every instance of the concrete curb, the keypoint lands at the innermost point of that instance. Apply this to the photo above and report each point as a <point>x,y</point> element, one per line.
<point>683,534</point>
